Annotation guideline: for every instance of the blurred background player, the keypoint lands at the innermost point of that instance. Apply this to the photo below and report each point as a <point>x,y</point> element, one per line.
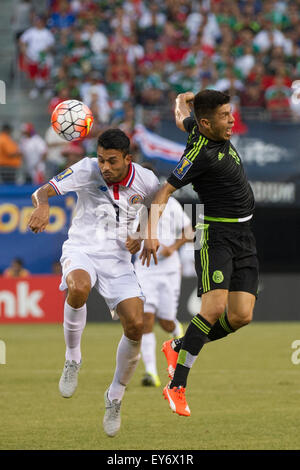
<point>98,253</point>
<point>161,283</point>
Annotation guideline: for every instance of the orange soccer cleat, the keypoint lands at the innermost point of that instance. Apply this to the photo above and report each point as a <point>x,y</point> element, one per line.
<point>177,401</point>
<point>171,357</point>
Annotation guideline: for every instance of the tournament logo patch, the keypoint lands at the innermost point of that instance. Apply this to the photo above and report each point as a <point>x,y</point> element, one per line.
<point>64,174</point>
<point>218,277</point>
<point>135,199</point>
<point>182,168</point>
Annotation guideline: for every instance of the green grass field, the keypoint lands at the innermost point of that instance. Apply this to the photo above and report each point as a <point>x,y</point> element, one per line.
<point>243,391</point>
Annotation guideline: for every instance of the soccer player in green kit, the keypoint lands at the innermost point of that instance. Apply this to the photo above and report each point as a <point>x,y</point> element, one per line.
<point>226,260</point>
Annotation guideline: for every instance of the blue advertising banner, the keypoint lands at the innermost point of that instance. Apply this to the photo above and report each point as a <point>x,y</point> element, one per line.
<point>38,251</point>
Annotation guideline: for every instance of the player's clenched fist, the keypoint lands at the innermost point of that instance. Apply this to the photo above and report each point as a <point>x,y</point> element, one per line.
<point>133,245</point>
<point>39,219</point>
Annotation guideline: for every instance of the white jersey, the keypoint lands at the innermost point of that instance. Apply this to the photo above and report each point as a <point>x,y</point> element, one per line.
<point>37,41</point>
<point>105,214</point>
<point>170,226</point>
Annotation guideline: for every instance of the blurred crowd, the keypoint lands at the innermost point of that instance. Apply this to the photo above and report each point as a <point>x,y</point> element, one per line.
<point>115,55</point>
<point>32,158</point>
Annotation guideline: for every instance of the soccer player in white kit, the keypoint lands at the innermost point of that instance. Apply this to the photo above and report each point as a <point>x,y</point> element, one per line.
<point>98,253</point>
<point>161,284</point>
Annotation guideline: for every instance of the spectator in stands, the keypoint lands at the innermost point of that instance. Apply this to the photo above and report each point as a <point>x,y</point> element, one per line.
<point>63,18</point>
<point>94,93</point>
<point>16,269</point>
<point>36,44</point>
<point>54,160</point>
<point>34,150</point>
<point>56,268</point>
<point>151,23</point>
<point>253,96</point>
<point>22,17</point>
<point>268,36</point>
<point>10,156</point>
<point>72,153</point>
<point>278,99</point>
<point>139,48</point>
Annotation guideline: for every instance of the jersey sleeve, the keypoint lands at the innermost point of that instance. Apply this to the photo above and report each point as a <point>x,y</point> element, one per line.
<point>152,186</point>
<point>189,124</point>
<point>73,178</point>
<point>193,164</point>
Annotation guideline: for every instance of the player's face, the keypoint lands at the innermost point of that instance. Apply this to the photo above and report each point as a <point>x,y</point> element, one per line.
<point>113,164</point>
<point>220,126</point>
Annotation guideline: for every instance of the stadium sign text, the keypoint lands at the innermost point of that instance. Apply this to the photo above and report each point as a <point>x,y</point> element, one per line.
<point>14,218</point>
<point>34,300</point>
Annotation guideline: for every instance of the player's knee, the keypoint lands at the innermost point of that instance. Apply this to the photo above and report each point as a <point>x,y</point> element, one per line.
<point>134,328</point>
<point>78,293</point>
<point>246,318</point>
<point>240,319</point>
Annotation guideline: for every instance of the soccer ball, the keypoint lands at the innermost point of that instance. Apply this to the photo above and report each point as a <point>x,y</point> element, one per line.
<point>72,120</point>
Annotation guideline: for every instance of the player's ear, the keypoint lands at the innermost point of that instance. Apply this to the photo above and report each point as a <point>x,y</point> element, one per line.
<point>128,158</point>
<point>205,123</point>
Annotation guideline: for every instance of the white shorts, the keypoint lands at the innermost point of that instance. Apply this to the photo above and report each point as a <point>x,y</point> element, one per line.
<point>114,279</point>
<point>162,293</point>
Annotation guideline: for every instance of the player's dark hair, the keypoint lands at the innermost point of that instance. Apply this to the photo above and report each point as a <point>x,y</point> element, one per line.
<point>114,139</point>
<point>207,101</point>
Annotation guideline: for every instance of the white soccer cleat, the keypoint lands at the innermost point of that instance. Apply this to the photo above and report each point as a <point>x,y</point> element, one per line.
<point>69,378</point>
<point>112,416</point>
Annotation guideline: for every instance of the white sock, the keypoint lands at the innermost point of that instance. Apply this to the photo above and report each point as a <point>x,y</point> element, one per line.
<point>148,350</point>
<point>74,323</point>
<point>177,330</point>
<point>128,355</point>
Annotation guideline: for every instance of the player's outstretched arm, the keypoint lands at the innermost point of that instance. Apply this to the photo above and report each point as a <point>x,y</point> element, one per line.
<point>40,216</point>
<point>151,243</point>
<point>187,236</point>
<point>183,108</point>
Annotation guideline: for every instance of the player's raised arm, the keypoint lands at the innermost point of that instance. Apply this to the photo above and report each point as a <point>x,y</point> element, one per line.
<point>151,243</point>
<point>183,108</point>
<point>40,216</point>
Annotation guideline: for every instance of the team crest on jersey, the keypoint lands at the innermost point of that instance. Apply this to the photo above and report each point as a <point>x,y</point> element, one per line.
<point>135,199</point>
<point>64,174</point>
<point>182,168</point>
